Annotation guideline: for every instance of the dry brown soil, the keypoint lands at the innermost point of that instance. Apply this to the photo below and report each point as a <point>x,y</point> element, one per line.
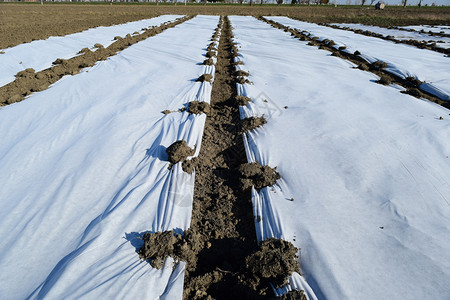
<point>21,23</point>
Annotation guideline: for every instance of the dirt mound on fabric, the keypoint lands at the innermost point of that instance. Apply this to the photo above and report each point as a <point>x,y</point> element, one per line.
<point>179,151</point>
<point>241,73</point>
<point>242,100</point>
<point>256,175</point>
<point>205,77</point>
<point>160,245</point>
<point>243,80</point>
<point>252,123</point>
<point>294,295</point>
<point>274,261</point>
<point>208,62</point>
<point>198,107</point>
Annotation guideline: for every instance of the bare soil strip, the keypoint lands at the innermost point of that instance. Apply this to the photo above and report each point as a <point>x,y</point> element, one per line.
<point>419,44</point>
<point>411,84</point>
<point>28,81</point>
<point>21,23</point>
<point>223,257</point>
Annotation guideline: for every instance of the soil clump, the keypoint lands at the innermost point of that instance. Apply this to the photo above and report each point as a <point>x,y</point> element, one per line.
<point>252,123</point>
<point>242,100</point>
<point>254,174</point>
<point>272,262</point>
<point>179,152</point>
<point>198,107</point>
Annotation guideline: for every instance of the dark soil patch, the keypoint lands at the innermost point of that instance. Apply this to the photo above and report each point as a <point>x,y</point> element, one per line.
<point>28,81</point>
<point>210,54</point>
<point>205,77</point>
<point>242,80</point>
<point>254,174</point>
<point>414,92</point>
<point>273,262</point>
<point>377,65</point>
<point>242,100</point>
<point>208,62</point>
<point>294,295</point>
<point>198,107</point>
<point>414,81</point>
<point>252,123</point>
<point>241,73</point>
<point>179,151</point>
<point>385,80</point>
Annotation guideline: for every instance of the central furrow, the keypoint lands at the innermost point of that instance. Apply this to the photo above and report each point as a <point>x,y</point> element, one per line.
<point>221,250</point>
<point>222,212</point>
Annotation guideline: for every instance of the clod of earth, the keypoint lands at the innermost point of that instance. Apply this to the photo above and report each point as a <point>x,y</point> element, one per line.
<point>242,100</point>
<point>377,65</point>
<point>210,54</point>
<point>205,77</point>
<point>413,92</point>
<point>159,246</point>
<point>211,47</point>
<point>385,80</point>
<point>416,82</point>
<point>251,123</point>
<point>274,261</point>
<point>242,80</point>
<point>208,62</point>
<point>84,50</point>
<point>198,107</point>
<point>363,67</point>
<point>241,73</point>
<point>59,61</point>
<point>26,73</point>
<point>254,174</point>
<point>179,151</point>
<point>294,295</point>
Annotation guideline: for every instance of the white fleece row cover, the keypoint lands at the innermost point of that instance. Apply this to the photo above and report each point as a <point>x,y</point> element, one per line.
<point>84,172</point>
<point>402,60</point>
<point>365,188</point>
<point>443,42</point>
<point>40,54</point>
<point>433,28</point>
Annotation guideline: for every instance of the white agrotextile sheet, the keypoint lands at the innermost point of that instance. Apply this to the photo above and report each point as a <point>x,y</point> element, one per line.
<point>40,55</point>
<point>443,42</point>
<point>403,60</point>
<point>365,188</point>
<point>433,28</point>
<point>84,171</point>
